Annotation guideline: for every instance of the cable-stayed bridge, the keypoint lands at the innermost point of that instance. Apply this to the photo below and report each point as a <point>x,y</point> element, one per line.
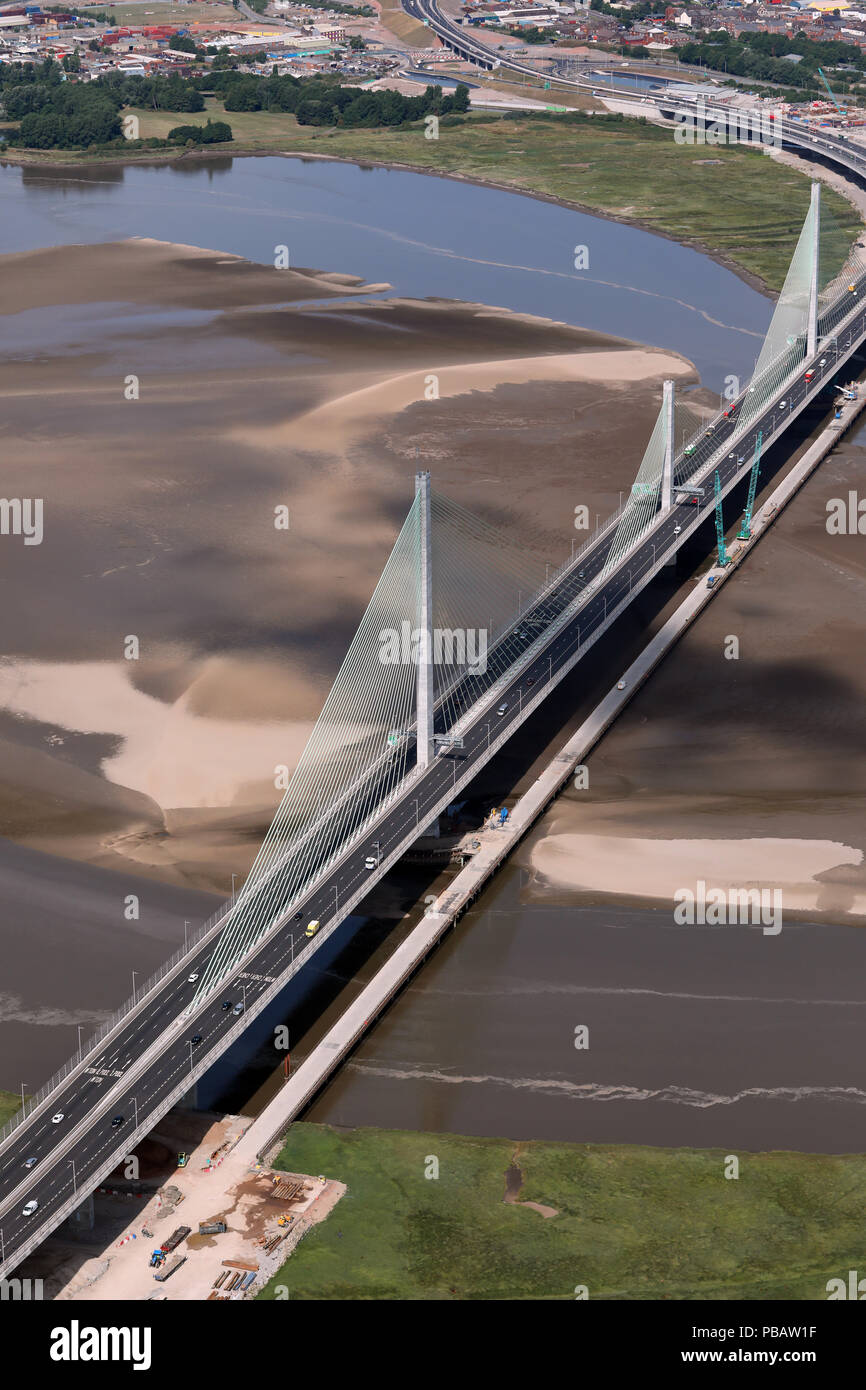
<point>462,641</point>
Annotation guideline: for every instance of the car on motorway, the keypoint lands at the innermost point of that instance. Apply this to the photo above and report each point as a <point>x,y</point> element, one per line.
<point>371,862</point>
<point>677,529</point>
<point>30,1162</point>
<point>312,927</point>
<point>711,429</point>
<point>694,500</point>
<point>58,1118</point>
<point>31,1207</point>
<point>195,1039</point>
<point>503,709</point>
<point>581,574</point>
<point>238,1008</point>
<point>117,1122</point>
<point>297,917</point>
<point>783,405</point>
<point>226,1005</point>
<point>530,682</point>
<point>191,979</point>
<point>620,685</point>
<point>852,289</point>
<point>823,362</point>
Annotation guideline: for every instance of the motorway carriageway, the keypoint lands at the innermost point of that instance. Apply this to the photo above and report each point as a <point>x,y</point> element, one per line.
<point>83,1099</point>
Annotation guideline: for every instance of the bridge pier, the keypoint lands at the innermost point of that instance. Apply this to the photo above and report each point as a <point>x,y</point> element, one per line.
<point>425,696</point>
<point>82,1219</point>
<point>812,328</point>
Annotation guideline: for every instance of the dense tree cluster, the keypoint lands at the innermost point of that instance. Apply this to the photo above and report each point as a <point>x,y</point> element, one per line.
<point>322,101</point>
<point>58,114</point>
<point>766,57</point>
<point>211,133</point>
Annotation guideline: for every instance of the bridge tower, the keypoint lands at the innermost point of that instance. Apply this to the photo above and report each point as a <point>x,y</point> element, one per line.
<point>424,698</point>
<point>812,326</point>
<point>668,464</point>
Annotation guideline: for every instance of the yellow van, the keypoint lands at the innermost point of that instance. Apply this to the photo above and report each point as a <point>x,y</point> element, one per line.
<point>312,927</point>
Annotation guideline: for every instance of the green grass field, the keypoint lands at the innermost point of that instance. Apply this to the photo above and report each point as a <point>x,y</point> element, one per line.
<point>9,1105</point>
<point>163,12</point>
<point>735,202</point>
<point>632,1223</point>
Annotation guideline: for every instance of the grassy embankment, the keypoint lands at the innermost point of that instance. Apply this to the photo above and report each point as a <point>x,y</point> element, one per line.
<point>9,1104</point>
<point>632,1223</point>
<point>735,202</point>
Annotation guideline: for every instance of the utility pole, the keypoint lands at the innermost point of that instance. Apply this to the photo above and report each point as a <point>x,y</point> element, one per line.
<point>668,465</point>
<point>424,697</point>
<point>812,331</point>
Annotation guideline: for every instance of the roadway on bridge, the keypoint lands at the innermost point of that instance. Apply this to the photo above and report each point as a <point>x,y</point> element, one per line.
<point>85,1102</point>
<point>144,1061</point>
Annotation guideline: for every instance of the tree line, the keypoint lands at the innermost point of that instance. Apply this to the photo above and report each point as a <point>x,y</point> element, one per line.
<point>766,57</point>
<point>57,114</point>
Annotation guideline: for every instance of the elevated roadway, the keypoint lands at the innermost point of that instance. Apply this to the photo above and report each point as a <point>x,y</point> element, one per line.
<point>153,1054</point>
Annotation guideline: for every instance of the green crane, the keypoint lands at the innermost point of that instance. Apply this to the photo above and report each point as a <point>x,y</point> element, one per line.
<point>839,108</point>
<point>744,533</point>
<point>724,558</point>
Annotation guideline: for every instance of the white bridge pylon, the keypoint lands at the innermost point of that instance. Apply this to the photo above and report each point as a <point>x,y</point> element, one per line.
<point>803,313</point>
<point>445,623</point>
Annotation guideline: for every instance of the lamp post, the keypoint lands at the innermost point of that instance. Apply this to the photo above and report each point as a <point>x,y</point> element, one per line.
<point>23,1101</point>
<point>133,986</point>
<point>74,1180</point>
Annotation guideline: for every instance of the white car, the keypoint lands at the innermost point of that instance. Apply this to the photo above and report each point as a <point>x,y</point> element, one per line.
<point>620,685</point>
<point>677,530</point>
<point>823,362</point>
<point>371,862</point>
<point>191,979</point>
<point>30,1208</point>
<point>58,1118</point>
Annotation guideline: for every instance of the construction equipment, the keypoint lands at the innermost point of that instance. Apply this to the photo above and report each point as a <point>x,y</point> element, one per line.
<point>178,1234</point>
<point>720,525</point>
<point>181,1160</point>
<point>170,1270</point>
<point>840,109</point>
<point>211,1228</point>
<point>744,533</point>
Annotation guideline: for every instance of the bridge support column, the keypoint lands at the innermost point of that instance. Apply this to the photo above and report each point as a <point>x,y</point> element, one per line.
<point>812,331</point>
<point>668,465</point>
<point>82,1219</point>
<point>424,701</point>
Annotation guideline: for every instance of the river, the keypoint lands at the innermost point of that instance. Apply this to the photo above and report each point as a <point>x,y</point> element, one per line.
<point>700,1039</point>
<point>425,236</point>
